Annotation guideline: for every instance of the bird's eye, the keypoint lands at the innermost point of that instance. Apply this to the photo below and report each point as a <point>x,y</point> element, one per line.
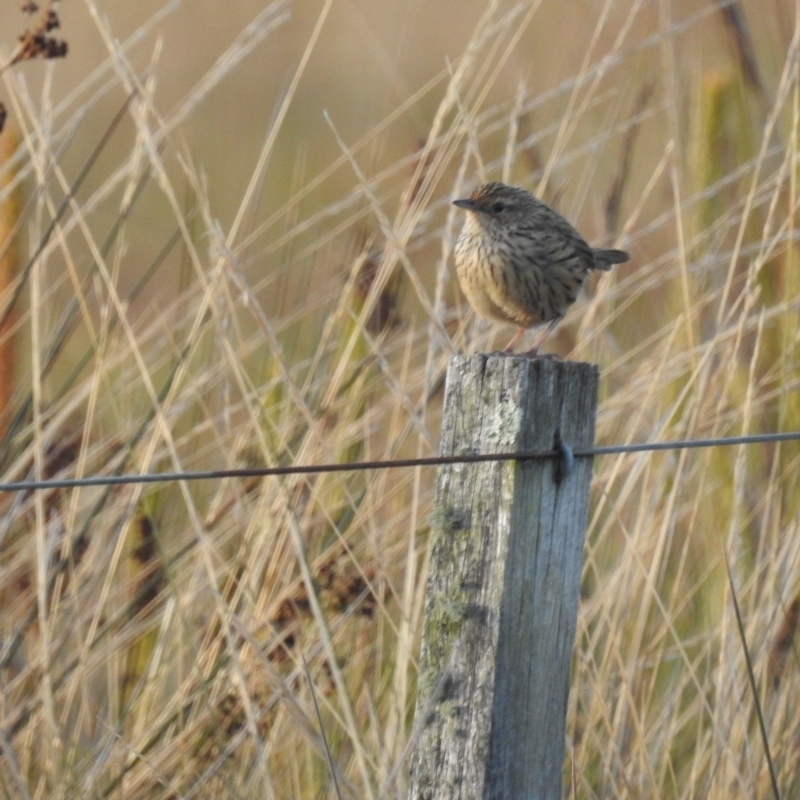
<point>498,207</point>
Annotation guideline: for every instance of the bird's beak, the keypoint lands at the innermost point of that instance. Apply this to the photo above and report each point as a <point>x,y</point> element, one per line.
<point>466,204</point>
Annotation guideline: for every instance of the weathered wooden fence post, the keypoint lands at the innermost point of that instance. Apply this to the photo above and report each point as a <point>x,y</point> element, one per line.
<point>502,597</point>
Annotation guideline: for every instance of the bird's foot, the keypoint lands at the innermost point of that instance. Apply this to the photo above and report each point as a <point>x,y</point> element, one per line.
<point>501,353</point>
<point>534,353</point>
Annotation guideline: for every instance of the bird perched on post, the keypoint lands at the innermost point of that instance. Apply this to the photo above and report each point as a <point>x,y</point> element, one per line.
<point>519,261</point>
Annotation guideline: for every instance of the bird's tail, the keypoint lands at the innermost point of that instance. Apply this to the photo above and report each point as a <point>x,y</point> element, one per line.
<point>605,259</point>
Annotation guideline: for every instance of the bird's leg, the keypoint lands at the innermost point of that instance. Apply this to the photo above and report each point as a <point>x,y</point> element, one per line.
<point>509,348</point>
<point>534,351</point>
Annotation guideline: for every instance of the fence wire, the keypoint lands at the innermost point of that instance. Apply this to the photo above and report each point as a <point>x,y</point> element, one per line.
<point>560,452</point>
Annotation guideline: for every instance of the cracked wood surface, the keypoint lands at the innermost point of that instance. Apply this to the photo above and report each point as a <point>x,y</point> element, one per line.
<point>504,582</point>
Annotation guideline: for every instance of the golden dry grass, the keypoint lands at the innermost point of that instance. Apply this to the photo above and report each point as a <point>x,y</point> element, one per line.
<point>155,640</point>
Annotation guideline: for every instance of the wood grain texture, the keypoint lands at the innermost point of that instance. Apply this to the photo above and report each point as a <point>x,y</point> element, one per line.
<point>502,595</point>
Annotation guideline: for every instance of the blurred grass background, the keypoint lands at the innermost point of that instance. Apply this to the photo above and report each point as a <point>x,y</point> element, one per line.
<point>257,270</point>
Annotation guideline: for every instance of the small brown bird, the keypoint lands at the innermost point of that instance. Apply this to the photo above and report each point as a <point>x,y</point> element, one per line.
<point>519,261</point>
